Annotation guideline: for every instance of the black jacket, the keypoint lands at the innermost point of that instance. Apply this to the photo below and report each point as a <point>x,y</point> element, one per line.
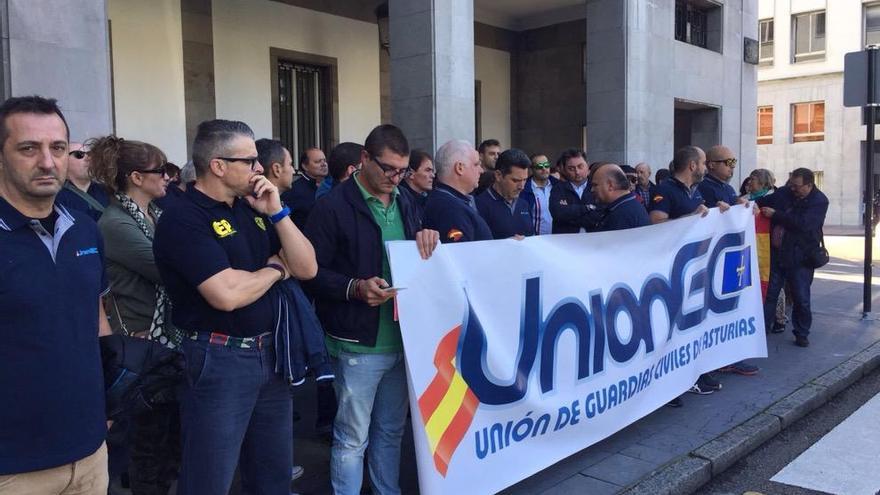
<point>802,220</point>
<point>301,199</point>
<point>348,244</point>
<point>572,213</point>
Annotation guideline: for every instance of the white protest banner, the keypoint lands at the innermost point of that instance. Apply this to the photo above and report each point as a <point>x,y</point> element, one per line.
<point>521,353</point>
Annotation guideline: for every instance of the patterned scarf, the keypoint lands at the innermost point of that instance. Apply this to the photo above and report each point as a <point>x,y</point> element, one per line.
<point>161,329</point>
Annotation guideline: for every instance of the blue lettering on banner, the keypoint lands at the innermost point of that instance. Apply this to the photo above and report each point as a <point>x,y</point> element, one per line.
<point>86,252</point>
<point>595,327</point>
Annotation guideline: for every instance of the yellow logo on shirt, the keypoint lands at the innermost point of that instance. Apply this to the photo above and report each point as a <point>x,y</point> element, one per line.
<point>223,228</point>
<point>260,223</point>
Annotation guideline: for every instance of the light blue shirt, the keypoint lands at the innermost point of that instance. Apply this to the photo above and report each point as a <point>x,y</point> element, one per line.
<point>543,218</point>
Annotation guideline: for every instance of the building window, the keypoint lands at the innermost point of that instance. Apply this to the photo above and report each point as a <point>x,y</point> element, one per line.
<point>698,22</point>
<point>765,125</point>
<point>808,121</point>
<point>301,90</point>
<point>766,50</point>
<point>872,24</point>
<point>809,36</point>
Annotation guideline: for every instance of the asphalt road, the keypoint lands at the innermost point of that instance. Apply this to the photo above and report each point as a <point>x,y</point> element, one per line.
<point>752,474</point>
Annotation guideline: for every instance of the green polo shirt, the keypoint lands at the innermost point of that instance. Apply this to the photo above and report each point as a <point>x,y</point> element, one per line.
<point>391,224</point>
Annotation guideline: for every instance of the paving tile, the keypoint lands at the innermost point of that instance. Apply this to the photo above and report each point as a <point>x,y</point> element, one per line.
<point>620,469</point>
<point>583,485</point>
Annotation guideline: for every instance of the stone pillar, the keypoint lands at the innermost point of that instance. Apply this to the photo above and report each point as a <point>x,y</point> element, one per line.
<point>432,70</point>
<point>60,49</point>
<point>198,65</point>
<point>606,80</point>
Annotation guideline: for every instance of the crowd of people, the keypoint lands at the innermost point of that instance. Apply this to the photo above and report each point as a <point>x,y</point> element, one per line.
<point>261,274</point>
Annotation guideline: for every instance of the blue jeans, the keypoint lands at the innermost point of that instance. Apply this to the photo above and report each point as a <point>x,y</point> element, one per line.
<point>235,410</point>
<point>799,279</point>
<point>372,395</point>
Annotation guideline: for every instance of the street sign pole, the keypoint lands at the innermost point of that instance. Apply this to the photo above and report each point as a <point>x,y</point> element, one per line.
<point>869,182</point>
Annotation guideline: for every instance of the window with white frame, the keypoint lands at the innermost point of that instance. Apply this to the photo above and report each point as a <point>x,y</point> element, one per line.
<point>808,121</point>
<point>808,36</point>
<point>872,24</point>
<point>765,56</point>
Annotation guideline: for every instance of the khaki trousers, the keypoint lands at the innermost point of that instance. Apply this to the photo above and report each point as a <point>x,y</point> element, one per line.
<point>87,476</point>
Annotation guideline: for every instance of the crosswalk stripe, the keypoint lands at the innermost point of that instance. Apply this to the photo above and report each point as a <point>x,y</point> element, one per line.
<point>845,461</point>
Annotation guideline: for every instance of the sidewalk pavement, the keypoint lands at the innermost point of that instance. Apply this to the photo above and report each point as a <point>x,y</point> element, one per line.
<point>675,451</point>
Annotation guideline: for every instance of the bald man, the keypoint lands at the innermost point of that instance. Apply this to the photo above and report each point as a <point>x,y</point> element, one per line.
<point>611,189</point>
<point>720,164</point>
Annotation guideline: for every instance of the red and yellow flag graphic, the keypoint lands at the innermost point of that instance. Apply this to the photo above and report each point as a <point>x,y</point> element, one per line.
<point>447,405</point>
<point>762,239</point>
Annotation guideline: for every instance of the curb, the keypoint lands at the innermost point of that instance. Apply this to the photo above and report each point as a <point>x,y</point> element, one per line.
<point>691,471</point>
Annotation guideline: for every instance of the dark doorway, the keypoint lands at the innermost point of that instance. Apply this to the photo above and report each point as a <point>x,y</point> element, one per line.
<point>696,124</point>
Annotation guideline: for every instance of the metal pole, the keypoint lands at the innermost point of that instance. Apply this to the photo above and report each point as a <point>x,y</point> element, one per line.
<point>869,184</point>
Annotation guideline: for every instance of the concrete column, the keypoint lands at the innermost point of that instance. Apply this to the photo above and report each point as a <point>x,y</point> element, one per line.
<point>60,49</point>
<point>198,65</point>
<point>432,70</point>
<point>636,71</point>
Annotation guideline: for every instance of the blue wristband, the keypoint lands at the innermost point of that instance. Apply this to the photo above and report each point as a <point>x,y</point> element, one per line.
<point>285,211</point>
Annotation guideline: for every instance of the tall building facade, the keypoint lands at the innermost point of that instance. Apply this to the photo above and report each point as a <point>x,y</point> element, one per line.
<point>801,118</point>
<point>628,80</point>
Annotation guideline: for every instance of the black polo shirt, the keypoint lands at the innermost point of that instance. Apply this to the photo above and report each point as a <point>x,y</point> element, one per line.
<point>503,220</point>
<point>301,199</point>
<point>454,216</point>
<point>714,190</point>
<point>675,199</point>
<point>199,237</point>
<point>51,382</point>
<point>626,212</point>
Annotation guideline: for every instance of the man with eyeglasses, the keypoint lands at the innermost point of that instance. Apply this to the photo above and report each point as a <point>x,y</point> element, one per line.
<point>537,194</point>
<point>219,251</point>
<point>80,192</point>
<point>354,300</point>
<point>301,197</point>
<point>715,187</point>
<point>450,208</point>
<point>797,217</point>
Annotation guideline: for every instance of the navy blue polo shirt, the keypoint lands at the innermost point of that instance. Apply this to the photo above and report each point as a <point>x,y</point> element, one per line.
<point>714,190</point>
<point>301,199</point>
<point>626,212</point>
<point>199,237</point>
<point>51,379</point>
<point>505,221</point>
<point>454,216</point>
<point>675,199</point>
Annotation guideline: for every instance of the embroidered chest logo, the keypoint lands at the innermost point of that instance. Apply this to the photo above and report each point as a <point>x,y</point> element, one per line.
<point>454,235</point>
<point>260,223</point>
<point>223,228</point>
<point>86,252</point>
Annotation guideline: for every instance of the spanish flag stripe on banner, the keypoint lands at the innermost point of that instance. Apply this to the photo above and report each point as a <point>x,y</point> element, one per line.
<point>443,358</point>
<point>762,241</point>
<point>456,431</point>
<point>448,405</point>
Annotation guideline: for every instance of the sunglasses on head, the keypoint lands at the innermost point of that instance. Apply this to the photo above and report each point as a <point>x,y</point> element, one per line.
<point>540,165</point>
<point>78,154</point>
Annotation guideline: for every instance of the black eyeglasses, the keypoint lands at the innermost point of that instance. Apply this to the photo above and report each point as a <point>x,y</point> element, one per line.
<point>164,169</point>
<point>78,154</point>
<point>250,161</point>
<point>730,162</point>
<point>390,172</point>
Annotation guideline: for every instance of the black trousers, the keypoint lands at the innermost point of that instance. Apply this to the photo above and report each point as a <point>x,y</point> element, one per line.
<point>155,450</point>
<point>799,278</point>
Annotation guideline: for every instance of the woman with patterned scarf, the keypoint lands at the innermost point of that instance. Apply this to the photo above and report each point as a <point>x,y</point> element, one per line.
<point>136,173</point>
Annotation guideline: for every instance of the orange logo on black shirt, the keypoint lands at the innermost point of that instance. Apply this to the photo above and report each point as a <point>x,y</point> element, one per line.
<point>454,235</point>
<point>658,198</point>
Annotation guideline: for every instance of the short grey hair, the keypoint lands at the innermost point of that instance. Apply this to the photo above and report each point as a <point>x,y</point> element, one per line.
<point>188,173</point>
<point>451,152</point>
<point>212,140</point>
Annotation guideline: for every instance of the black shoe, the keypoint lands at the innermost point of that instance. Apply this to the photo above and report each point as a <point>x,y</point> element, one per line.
<point>708,382</point>
<point>801,341</point>
<point>778,328</point>
<point>676,402</point>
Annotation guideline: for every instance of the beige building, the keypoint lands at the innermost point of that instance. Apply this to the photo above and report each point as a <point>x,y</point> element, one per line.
<point>801,118</point>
